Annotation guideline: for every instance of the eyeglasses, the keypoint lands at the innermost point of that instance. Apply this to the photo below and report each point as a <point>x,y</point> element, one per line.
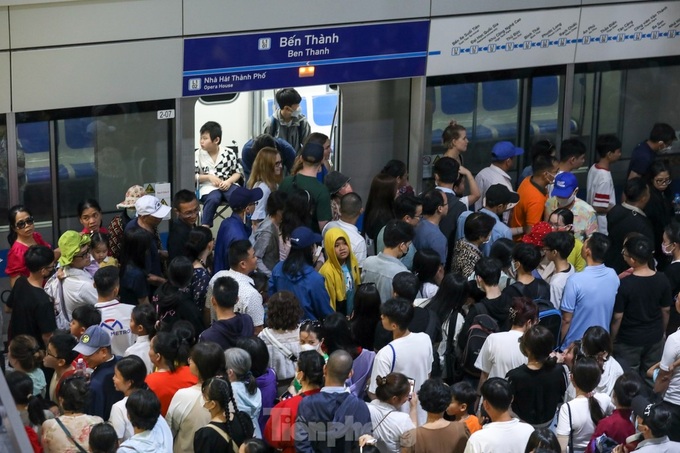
<point>278,163</point>
<point>21,224</point>
<point>663,182</point>
<point>82,255</point>
<point>189,214</point>
<point>51,355</point>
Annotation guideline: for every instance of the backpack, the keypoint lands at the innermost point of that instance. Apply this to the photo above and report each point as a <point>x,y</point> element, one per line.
<point>274,130</point>
<point>482,326</point>
<point>55,290</point>
<point>548,316</point>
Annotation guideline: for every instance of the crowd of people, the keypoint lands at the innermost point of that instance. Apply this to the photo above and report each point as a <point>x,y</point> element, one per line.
<point>473,317</point>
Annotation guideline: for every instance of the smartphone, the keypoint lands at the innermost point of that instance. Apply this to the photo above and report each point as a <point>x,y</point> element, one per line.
<point>412,382</point>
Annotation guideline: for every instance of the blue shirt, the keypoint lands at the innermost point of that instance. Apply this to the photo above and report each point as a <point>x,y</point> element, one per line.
<point>231,229</point>
<point>429,236</point>
<point>589,296</point>
<point>500,230</point>
<point>642,159</point>
<point>308,286</point>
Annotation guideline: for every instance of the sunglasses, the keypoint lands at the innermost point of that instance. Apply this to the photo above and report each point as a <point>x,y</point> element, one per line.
<point>82,255</point>
<point>21,224</point>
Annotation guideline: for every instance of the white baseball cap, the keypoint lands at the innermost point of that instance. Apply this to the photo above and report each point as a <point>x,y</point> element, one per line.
<point>150,205</point>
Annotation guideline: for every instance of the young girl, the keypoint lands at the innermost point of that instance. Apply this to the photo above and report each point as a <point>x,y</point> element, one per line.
<point>227,428</point>
<point>25,355</point>
<point>142,324</point>
<point>99,251</point>
<point>340,271</point>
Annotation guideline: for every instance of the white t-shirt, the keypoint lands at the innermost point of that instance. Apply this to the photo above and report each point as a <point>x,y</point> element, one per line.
<point>120,422</point>
<point>671,353</point>
<point>557,282</point>
<point>506,437</point>
<point>500,354</point>
<point>116,321</point>
<point>389,425</point>
<point>581,422</point>
<point>612,371</point>
<point>141,350</point>
<point>600,193</point>
<point>410,355</point>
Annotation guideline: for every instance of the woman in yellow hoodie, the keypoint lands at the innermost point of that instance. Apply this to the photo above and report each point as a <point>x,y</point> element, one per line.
<point>340,271</point>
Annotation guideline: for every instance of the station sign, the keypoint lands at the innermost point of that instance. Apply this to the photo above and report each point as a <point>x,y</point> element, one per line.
<point>302,57</point>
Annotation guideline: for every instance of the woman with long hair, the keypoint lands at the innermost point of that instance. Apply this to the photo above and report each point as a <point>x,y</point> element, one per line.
<point>297,212</point>
<point>338,335</point>
<point>228,427</point>
<point>198,249</point>
<point>427,266</point>
<point>280,427</point>
<point>380,204</point>
<point>397,169</point>
<point>134,288</point>
<point>577,418</point>
<point>456,141</point>
<point>187,413</point>
<point>90,217</point>
<point>298,275</point>
<point>366,315</point>
<point>267,174</point>
<point>659,208</point>
<point>21,236</point>
<point>538,385</point>
<point>248,397</point>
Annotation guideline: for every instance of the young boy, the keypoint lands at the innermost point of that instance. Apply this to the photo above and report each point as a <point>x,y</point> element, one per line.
<point>557,247</point>
<point>463,397</point>
<point>82,318</point>
<point>600,186</point>
<point>60,356</point>
<point>288,122</point>
<point>217,171</point>
<point>115,316</point>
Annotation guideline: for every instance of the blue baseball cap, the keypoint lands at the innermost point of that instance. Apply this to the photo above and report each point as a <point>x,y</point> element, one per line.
<point>565,184</point>
<point>505,150</point>
<point>302,237</point>
<point>92,340</point>
<point>241,197</point>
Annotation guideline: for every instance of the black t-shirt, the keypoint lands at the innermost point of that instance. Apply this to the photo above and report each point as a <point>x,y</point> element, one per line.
<point>672,272</point>
<point>177,238</point>
<point>537,392</point>
<point>640,299</point>
<point>32,311</point>
<point>207,439</point>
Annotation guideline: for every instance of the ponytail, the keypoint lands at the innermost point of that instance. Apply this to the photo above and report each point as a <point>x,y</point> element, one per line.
<point>251,383</point>
<point>596,413</point>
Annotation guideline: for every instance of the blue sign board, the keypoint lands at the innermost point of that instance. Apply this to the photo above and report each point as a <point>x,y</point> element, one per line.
<point>227,64</point>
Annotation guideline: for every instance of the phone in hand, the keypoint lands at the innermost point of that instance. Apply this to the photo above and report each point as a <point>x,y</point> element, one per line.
<point>412,382</point>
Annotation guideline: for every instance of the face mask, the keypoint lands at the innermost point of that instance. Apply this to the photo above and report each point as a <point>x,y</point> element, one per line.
<point>295,113</point>
<point>513,270</point>
<point>669,250</point>
<point>131,212</point>
<point>309,347</point>
<point>562,202</point>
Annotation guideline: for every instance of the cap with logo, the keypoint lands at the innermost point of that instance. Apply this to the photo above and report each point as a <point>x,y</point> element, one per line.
<point>133,194</point>
<point>505,150</point>
<point>92,340</point>
<point>150,205</point>
<point>565,184</point>
<point>241,197</point>
<point>302,237</point>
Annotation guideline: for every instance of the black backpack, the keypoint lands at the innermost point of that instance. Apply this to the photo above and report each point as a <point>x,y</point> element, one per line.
<point>482,326</point>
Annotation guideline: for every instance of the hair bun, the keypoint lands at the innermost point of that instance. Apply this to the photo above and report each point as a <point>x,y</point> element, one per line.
<point>381,380</point>
<point>453,123</point>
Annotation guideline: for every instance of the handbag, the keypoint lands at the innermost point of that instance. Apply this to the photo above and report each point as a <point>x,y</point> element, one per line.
<point>70,437</point>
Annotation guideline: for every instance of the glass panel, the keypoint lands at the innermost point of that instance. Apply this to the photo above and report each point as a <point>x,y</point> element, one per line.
<point>545,109</point>
<point>35,187</point>
<point>4,169</point>
<point>102,155</point>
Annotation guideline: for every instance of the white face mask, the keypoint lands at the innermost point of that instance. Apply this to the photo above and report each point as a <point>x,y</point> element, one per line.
<point>563,202</point>
<point>308,347</point>
<point>295,113</point>
<point>667,251</point>
<point>513,270</point>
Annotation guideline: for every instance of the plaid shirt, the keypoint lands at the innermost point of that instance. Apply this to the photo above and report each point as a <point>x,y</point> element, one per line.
<point>226,165</point>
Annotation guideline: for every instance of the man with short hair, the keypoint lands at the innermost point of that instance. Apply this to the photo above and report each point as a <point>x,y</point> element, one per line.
<point>150,213</point>
<point>572,155</point>
<point>381,268</point>
<point>333,419</point>
<point>600,191</point>
<point>305,179</point>
<point>428,235</point>
<point>32,309</point>
<point>589,295</point>
<point>242,262</point>
<point>408,208</point>
<point>497,201</point>
<point>350,211</point>
<point>186,208</point>
<point>230,326</point>
<point>533,194</point>
<point>557,247</point>
<point>657,424</point>
<point>504,433</point>
<point>408,353</point>
<point>254,145</point>
<point>660,139</point>
<point>234,228</point>
<point>564,196</point>
<point>338,185</point>
<point>446,173</point>
<point>115,316</point>
<point>625,218</point>
<point>288,122</point>
<point>95,346</point>
<point>503,156</point>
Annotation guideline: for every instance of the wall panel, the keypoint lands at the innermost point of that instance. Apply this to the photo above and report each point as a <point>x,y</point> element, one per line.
<point>5,83</point>
<point>91,75</point>
<point>459,7</point>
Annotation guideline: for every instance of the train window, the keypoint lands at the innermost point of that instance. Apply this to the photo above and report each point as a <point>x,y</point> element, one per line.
<point>35,186</point>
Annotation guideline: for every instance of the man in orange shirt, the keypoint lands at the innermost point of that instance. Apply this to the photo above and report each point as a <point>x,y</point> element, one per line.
<point>533,194</point>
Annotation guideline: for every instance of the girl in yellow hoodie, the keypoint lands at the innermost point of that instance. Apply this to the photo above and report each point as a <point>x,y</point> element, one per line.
<point>340,271</point>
